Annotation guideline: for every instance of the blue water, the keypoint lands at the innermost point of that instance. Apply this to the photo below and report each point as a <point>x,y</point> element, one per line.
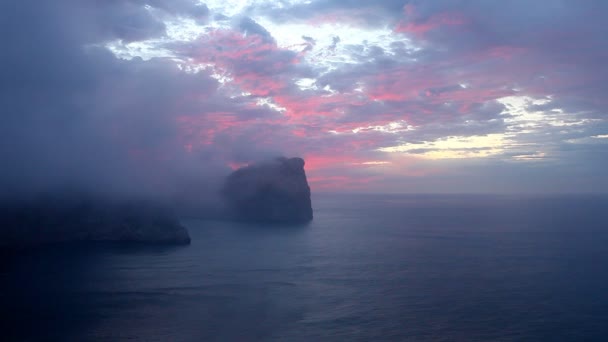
<point>373,267</point>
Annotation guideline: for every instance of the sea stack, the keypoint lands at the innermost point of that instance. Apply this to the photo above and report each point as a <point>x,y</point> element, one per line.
<point>272,191</point>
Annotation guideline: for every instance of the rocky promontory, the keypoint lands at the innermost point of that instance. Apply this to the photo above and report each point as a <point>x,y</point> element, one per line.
<point>272,191</point>
<point>54,219</point>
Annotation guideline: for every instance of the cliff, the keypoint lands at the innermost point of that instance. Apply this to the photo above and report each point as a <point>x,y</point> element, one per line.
<point>59,219</point>
<point>274,191</point>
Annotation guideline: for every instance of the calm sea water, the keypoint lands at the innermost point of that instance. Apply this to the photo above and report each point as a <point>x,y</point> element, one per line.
<point>369,268</point>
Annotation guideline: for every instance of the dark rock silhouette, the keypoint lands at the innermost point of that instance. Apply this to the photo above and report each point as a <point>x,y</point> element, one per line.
<point>53,219</point>
<point>274,191</point>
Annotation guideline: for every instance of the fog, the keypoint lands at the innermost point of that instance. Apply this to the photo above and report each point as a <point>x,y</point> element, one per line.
<point>76,118</point>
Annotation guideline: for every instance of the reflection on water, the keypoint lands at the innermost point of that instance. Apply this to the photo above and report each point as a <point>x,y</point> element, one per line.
<point>369,268</point>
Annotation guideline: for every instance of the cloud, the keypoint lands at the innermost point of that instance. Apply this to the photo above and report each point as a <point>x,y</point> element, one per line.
<point>75,116</point>
<point>248,26</point>
<point>144,91</point>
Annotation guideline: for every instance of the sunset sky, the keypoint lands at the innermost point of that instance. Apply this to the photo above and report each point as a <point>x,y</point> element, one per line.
<point>376,96</point>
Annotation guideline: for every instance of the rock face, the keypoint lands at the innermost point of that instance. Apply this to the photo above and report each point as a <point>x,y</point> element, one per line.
<point>275,191</point>
<point>52,220</point>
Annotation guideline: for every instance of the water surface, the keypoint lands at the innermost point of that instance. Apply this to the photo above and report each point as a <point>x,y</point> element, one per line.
<point>372,267</point>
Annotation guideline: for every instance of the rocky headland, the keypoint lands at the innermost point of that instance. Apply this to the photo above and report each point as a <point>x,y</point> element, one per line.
<point>56,219</point>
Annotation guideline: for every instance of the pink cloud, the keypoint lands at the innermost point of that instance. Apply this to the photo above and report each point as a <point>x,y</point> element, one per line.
<point>255,64</point>
<point>419,28</point>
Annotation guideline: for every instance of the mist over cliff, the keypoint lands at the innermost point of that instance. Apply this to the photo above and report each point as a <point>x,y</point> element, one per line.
<point>74,116</point>
<point>270,191</point>
<point>85,134</point>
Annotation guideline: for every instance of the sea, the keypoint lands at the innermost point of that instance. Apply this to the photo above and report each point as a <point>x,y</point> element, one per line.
<point>367,268</point>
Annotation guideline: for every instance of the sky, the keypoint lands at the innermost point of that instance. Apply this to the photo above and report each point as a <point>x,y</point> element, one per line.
<point>441,96</point>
